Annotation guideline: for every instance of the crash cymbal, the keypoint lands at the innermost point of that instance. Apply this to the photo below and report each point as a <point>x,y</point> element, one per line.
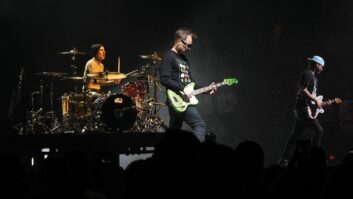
<point>52,74</point>
<point>73,51</point>
<point>154,56</point>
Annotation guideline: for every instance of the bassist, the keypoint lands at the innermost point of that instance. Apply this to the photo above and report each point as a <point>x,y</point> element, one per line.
<point>175,75</point>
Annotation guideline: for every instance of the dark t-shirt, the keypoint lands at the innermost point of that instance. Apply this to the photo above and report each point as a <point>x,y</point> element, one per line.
<point>307,79</point>
<point>175,71</point>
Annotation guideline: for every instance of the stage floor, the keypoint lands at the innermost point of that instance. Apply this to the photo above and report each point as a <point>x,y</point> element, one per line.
<point>122,143</point>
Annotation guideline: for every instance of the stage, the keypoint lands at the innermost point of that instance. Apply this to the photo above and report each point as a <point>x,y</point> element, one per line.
<point>37,146</point>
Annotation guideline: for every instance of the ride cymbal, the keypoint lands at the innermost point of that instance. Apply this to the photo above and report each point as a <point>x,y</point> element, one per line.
<point>73,51</point>
<point>154,56</point>
<point>52,74</point>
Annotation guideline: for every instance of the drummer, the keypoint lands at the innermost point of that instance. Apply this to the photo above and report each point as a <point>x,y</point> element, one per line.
<point>95,66</point>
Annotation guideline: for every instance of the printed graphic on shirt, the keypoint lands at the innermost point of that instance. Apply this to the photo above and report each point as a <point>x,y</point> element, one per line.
<point>184,71</point>
<point>315,89</point>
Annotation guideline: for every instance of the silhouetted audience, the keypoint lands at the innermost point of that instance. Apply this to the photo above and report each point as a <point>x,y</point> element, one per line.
<point>11,177</point>
<point>249,168</point>
<point>181,167</point>
<point>305,175</point>
<point>340,181</point>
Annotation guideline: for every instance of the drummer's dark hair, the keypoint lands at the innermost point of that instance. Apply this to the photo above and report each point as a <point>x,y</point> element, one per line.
<point>95,48</point>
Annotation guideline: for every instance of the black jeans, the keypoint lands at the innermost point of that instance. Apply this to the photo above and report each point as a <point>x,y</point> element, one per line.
<point>302,121</point>
<point>192,117</point>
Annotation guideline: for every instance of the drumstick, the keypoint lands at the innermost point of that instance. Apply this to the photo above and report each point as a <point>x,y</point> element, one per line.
<point>134,71</point>
<point>119,64</point>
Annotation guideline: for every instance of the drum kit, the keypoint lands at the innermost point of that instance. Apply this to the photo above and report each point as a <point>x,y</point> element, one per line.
<point>133,109</point>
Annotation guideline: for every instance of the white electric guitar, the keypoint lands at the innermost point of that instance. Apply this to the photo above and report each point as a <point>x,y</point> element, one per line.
<point>313,111</point>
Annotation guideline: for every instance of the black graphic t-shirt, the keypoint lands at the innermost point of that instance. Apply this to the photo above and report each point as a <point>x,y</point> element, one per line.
<point>175,71</point>
<point>307,79</point>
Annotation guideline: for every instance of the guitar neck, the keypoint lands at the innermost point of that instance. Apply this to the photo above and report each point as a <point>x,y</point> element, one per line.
<point>207,88</point>
<point>328,102</point>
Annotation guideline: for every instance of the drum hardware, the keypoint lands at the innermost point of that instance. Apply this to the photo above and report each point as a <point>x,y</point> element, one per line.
<point>131,73</point>
<point>73,53</point>
<point>51,76</point>
<point>154,57</point>
<point>41,121</point>
<point>134,110</point>
<point>144,93</point>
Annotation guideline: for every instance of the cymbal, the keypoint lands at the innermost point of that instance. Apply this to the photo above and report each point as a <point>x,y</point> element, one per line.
<point>107,76</point>
<point>115,75</point>
<point>73,51</point>
<point>73,78</point>
<point>93,75</point>
<point>52,74</point>
<point>154,56</point>
<point>138,74</point>
<point>104,82</point>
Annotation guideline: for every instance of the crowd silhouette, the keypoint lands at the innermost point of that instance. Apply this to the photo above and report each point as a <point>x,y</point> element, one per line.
<point>180,167</point>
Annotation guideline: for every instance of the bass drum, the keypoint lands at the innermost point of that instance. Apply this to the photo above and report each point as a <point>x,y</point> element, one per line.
<point>119,112</point>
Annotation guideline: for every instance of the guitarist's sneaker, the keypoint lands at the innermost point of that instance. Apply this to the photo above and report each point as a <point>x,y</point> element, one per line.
<point>282,162</point>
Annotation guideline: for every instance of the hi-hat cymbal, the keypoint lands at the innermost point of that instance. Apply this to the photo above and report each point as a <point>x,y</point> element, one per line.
<point>73,51</point>
<point>107,76</point>
<point>94,75</point>
<point>115,75</point>
<point>52,74</point>
<point>154,56</point>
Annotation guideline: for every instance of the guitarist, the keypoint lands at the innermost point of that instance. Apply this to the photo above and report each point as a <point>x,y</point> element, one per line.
<point>306,94</point>
<point>175,75</point>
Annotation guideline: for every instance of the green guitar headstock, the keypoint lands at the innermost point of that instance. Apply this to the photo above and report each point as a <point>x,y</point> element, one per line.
<point>230,81</point>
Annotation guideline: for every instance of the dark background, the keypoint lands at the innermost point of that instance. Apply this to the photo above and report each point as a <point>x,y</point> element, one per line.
<point>262,43</point>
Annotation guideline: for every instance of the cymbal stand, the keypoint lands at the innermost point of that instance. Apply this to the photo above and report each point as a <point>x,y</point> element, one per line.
<point>74,68</point>
<point>35,124</point>
<point>154,87</point>
<point>41,93</point>
<point>32,116</point>
<point>148,120</point>
<point>54,120</point>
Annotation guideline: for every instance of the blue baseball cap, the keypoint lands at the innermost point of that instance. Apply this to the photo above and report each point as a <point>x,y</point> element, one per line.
<point>317,59</point>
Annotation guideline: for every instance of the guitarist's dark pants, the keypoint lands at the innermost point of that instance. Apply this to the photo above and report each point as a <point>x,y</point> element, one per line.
<point>302,121</point>
<point>192,117</point>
